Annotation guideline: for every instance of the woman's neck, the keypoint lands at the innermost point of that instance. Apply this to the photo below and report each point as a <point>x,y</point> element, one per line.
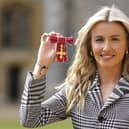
<point>109,76</point>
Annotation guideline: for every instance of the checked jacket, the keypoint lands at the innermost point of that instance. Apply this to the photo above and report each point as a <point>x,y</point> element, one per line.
<point>113,114</point>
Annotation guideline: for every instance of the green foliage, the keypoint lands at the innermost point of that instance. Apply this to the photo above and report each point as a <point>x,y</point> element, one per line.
<point>14,124</point>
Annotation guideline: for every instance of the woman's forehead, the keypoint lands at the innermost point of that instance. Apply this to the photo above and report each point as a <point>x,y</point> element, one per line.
<point>108,27</point>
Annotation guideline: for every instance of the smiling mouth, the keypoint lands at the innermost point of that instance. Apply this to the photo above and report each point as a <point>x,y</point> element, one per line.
<point>107,57</point>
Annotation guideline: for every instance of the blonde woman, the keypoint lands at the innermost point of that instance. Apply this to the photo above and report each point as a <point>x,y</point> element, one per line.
<point>95,93</point>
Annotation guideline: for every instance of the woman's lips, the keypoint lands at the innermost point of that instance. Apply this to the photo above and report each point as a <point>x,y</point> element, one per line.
<point>107,57</point>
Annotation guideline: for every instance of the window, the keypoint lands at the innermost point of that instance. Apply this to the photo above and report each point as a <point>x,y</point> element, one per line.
<point>13,84</point>
<point>15,26</point>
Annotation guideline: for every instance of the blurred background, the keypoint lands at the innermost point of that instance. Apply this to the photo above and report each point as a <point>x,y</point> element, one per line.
<point>22,22</point>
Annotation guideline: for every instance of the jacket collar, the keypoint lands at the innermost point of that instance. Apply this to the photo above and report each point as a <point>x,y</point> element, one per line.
<point>121,88</point>
<point>95,92</point>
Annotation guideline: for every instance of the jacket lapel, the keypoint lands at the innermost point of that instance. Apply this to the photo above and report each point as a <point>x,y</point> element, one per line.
<point>120,89</point>
<point>95,93</point>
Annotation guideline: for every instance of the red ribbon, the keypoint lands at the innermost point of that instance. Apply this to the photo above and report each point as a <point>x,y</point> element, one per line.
<point>61,51</point>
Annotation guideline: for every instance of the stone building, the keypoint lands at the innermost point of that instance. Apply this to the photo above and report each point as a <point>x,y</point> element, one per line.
<point>20,30</point>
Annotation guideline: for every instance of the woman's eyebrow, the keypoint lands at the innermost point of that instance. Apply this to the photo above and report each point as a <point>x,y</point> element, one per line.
<point>115,35</point>
<point>100,36</point>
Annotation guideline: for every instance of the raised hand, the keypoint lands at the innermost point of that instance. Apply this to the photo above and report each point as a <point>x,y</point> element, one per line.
<point>46,54</point>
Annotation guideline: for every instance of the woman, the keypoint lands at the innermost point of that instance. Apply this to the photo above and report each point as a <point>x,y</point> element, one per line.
<point>95,93</point>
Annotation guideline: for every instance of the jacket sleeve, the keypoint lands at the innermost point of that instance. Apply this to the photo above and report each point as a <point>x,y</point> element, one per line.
<point>34,110</point>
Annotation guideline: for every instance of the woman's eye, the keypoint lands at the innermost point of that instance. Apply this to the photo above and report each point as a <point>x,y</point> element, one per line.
<point>115,39</point>
<point>99,40</point>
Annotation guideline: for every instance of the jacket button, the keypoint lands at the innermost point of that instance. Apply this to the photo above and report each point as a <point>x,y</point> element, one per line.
<point>101,118</point>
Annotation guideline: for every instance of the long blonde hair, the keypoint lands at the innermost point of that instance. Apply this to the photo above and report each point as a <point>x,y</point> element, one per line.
<point>84,66</point>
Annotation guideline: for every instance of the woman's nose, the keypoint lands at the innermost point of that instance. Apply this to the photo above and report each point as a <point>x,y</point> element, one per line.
<point>107,46</point>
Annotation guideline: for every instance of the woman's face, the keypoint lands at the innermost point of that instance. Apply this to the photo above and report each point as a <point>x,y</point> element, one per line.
<point>109,44</point>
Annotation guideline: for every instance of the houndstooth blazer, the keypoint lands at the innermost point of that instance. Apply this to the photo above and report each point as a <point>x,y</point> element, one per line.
<point>113,114</point>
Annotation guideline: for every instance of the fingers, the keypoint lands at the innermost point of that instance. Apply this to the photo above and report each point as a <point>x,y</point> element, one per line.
<point>46,36</point>
<point>55,33</point>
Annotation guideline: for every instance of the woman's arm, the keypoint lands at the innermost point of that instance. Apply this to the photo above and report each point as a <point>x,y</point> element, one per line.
<point>34,111</point>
